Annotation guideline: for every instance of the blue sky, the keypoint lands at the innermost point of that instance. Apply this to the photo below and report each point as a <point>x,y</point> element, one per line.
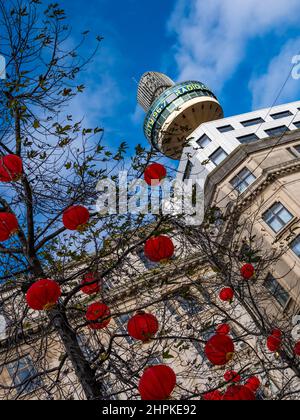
<point>242,49</point>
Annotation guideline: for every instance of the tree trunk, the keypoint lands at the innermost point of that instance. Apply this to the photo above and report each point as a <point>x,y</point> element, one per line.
<point>83,371</point>
<point>85,374</point>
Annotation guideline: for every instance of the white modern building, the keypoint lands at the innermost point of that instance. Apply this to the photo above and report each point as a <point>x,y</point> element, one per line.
<point>212,142</point>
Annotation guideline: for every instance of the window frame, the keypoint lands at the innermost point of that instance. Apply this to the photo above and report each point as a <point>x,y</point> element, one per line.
<point>264,217</point>
<point>225,129</point>
<point>242,180</point>
<point>211,157</point>
<point>252,122</point>
<point>297,239</point>
<point>202,139</point>
<point>282,114</point>
<point>268,130</point>
<point>274,290</point>
<point>251,136</point>
<point>31,386</point>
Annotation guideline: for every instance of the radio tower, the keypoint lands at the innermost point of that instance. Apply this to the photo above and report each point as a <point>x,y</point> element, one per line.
<point>174,111</point>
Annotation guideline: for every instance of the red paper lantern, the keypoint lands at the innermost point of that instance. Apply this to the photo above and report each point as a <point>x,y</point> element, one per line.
<point>157,383</point>
<point>226,294</point>
<point>11,168</point>
<point>297,349</point>
<point>219,349</point>
<point>253,383</point>
<point>154,174</point>
<point>274,341</point>
<point>238,393</point>
<point>232,376</point>
<point>90,289</point>
<point>142,326</point>
<point>43,295</point>
<point>76,218</point>
<point>8,226</point>
<point>277,333</point>
<point>98,312</point>
<point>247,271</point>
<point>213,396</point>
<point>159,248</point>
<point>223,329</point>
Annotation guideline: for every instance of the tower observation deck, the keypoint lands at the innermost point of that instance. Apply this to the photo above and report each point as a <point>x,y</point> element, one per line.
<point>174,111</point>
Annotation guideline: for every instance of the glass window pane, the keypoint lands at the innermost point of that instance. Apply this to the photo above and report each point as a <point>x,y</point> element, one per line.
<point>204,141</point>
<point>295,246</point>
<point>242,181</point>
<point>254,121</point>
<point>277,217</point>
<point>218,156</point>
<point>21,371</point>
<point>276,290</point>
<point>277,131</point>
<point>226,128</point>
<point>283,114</point>
<point>248,138</point>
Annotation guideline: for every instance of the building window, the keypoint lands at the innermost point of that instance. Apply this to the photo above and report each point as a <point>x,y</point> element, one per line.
<point>297,148</point>
<point>277,217</point>
<point>283,114</point>
<point>254,121</point>
<point>225,128</point>
<point>295,246</point>
<point>22,373</point>
<point>122,322</point>
<point>154,360</point>
<point>297,124</point>
<point>218,156</point>
<point>276,290</point>
<point>189,304</point>
<point>204,141</point>
<point>277,131</point>
<point>149,265</point>
<point>243,180</point>
<point>208,333</point>
<point>109,390</point>
<point>188,170</point>
<point>248,138</point>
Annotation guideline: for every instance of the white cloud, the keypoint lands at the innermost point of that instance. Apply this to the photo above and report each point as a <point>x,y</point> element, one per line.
<point>138,116</point>
<point>212,35</point>
<point>265,88</point>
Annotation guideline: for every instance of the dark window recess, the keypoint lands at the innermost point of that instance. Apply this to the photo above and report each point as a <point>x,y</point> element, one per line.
<point>297,124</point>
<point>248,138</point>
<point>188,170</point>
<point>297,148</point>
<point>204,141</point>
<point>277,131</point>
<point>292,152</point>
<point>218,156</point>
<point>276,290</point>
<point>283,114</point>
<point>225,128</point>
<point>254,121</point>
